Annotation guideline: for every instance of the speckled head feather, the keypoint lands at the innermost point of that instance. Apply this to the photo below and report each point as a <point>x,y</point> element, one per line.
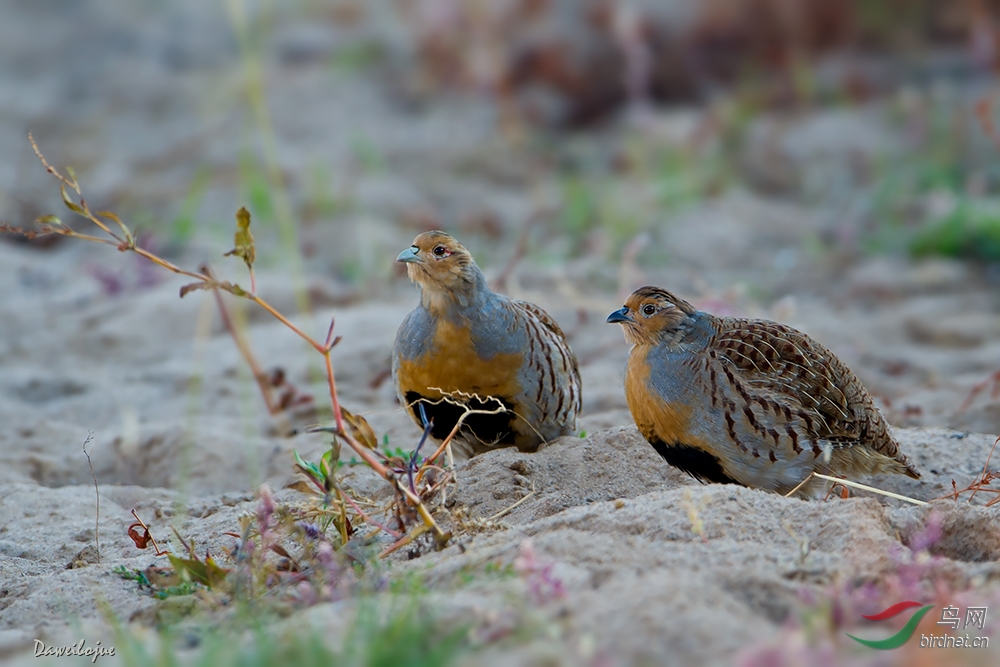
<point>651,314</point>
<point>442,267</point>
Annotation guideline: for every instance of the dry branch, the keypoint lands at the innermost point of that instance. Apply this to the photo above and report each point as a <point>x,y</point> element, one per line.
<point>124,240</point>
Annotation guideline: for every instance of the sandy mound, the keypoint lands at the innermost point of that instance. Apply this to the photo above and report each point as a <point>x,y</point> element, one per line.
<point>589,552</point>
<point>635,561</point>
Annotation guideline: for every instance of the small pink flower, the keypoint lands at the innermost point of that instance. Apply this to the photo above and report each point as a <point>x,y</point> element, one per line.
<point>543,585</point>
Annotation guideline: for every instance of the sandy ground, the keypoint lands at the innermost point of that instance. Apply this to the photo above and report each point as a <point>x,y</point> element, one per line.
<point>656,568</point>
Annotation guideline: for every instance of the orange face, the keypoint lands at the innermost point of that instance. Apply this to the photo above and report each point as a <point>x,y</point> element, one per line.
<point>436,261</point>
<point>648,313</point>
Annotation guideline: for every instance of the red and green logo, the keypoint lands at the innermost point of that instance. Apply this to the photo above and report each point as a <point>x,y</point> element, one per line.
<point>904,633</point>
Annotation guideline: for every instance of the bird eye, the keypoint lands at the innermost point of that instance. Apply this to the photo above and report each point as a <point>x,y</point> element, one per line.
<point>439,251</point>
<point>648,309</point>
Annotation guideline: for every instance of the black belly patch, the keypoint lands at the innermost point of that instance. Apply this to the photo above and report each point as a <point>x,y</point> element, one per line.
<point>696,462</point>
<point>485,428</point>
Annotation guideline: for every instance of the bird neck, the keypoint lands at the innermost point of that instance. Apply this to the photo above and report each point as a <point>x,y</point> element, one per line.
<point>466,291</point>
<point>692,333</point>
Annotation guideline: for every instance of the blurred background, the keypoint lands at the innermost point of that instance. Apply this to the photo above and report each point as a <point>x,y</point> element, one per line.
<point>828,163</point>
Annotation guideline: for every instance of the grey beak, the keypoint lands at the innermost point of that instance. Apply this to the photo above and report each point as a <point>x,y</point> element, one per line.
<point>409,256</point>
<point>619,316</point>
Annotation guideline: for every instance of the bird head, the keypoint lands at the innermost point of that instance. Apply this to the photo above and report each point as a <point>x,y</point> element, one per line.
<point>440,265</point>
<point>651,314</point>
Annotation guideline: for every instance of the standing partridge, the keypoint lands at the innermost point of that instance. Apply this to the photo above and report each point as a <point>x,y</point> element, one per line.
<point>748,402</point>
<point>465,338</point>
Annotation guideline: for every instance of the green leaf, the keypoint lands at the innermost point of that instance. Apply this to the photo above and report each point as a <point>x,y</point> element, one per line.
<point>48,220</point>
<point>207,573</point>
<point>110,216</point>
<point>308,467</point>
<point>69,202</point>
<point>118,221</point>
<point>331,458</point>
<point>243,239</point>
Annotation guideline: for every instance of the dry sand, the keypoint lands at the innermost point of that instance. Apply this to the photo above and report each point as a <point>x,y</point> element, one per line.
<point>656,568</point>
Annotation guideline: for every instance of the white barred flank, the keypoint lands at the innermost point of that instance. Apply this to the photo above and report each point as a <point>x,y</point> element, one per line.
<point>558,391</point>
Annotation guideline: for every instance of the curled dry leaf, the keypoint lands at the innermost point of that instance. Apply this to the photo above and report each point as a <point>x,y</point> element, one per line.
<point>360,429</point>
<point>191,287</point>
<point>141,540</point>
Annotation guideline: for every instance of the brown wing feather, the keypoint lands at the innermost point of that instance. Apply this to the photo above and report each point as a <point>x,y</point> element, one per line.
<point>559,399</point>
<point>534,311</point>
<point>781,360</point>
<point>784,365</point>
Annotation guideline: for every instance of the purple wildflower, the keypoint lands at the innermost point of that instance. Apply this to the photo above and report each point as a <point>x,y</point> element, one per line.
<point>542,583</point>
<point>310,530</point>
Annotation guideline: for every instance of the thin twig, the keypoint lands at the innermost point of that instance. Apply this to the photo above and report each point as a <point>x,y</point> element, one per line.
<point>188,547</point>
<point>407,539</point>
<point>156,259</point>
<point>390,477</point>
<point>97,515</point>
<point>448,397</point>
<point>367,518</point>
<point>338,418</point>
<point>986,466</point>
<point>872,489</point>
<point>263,381</point>
<point>505,512</point>
<point>445,479</point>
<point>159,552</point>
<point>985,478</point>
<point>428,426</point>
<point>800,485</point>
<point>856,485</point>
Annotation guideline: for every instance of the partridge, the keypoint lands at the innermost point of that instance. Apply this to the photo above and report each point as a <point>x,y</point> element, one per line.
<point>746,401</point>
<point>466,341</point>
